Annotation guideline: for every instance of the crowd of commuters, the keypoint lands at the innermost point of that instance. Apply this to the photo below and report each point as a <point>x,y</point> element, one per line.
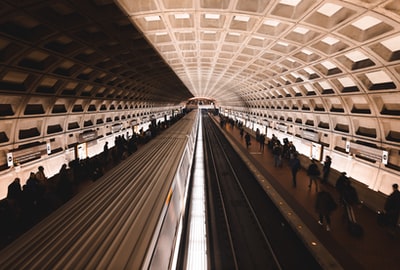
<point>26,205</point>
<point>325,203</point>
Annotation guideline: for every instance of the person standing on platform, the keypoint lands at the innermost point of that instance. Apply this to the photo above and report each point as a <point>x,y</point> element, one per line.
<point>262,142</point>
<point>313,173</point>
<point>247,139</point>
<point>392,207</point>
<point>14,191</point>
<point>105,152</point>
<point>324,206</point>
<point>40,176</point>
<point>295,166</point>
<point>326,169</point>
<point>340,185</point>
<point>277,152</point>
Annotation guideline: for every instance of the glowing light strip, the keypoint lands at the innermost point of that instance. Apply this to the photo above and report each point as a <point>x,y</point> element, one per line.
<point>197,247</point>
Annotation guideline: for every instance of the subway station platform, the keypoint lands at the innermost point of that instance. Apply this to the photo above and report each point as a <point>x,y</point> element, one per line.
<point>378,248</point>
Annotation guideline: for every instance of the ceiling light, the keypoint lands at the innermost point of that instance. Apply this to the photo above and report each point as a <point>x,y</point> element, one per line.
<point>290,2</point>
<point>366,22</point>
<point>378,77</point>
<point>329,9</point>
<point>152,18</point>
<point>234,34</point>
<point>329,65</point>
<point>305,51</point>
<point>258,37</point>
<point>356,56</point>
<point>212,16</point>
<point>273,23</point>
<point>182,16</point>
<point>301,30</point>
<point>241,18</point>
<point>330,40</point>
<point>346,82</point>
<point>393,44</point>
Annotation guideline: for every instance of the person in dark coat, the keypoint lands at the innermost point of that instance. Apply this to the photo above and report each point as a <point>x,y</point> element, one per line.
<point>295,166</point>
<point>247,139</point>
<point>14,191</point>
<point>326,169</point>
<point>324,206</point>
<point>313,173</point>
<point>340,186</point>
<point>64,185</point>
<point>392,207</point>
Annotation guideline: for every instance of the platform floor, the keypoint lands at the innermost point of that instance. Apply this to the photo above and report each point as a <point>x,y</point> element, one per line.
<point>378,248</point>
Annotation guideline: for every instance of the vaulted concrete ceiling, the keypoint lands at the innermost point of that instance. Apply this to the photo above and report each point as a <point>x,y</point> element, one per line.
<point>246,51</point>
<point>329,65</point>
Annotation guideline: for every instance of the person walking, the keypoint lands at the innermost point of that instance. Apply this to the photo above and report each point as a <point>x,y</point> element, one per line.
<point>295,166</point>
<point>313,173</point>
<point>277,152</point>
<point>392,207</point>
<point>341,182</point>
<point>324,206</point>
<point>326,169</point>
<point>247,139</point>
<point>262,142</point>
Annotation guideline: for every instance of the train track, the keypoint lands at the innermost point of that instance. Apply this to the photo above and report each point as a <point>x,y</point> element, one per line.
<point>246,230</point>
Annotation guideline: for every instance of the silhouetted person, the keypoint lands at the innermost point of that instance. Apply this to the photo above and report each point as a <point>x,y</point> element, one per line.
<point>313,173</point>
<point>392,207</point>
<point>40,176</point>
<point>326,169</point>
<point>262,142</point>
<point>105,152</point>
<point>277,152</point>
<point>324,206</point>
<point>295,166</point>
<point>64,185</point>
<point>247,139</point>
<point>14,191</point>
<point>341,182</point>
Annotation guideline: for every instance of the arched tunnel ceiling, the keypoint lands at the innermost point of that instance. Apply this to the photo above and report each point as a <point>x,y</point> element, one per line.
<point>328,65</point>
<point>254,50</point>
<point>79,49</point>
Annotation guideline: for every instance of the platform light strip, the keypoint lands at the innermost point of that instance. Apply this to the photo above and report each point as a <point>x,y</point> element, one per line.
<point>197,247</point>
